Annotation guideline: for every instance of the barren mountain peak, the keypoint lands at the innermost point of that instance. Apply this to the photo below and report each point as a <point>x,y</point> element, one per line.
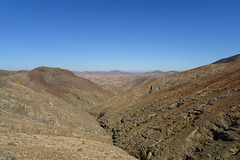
<point>53,70</point>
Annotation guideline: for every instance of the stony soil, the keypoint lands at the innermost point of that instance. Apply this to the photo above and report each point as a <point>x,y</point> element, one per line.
<point>29,146</point>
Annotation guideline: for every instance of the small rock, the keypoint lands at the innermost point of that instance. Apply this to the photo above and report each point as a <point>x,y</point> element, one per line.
<point>12,144</point>
<point>8,157</point>
<point>149,156</point>
<point>218,157</point>
<point>143,153</point>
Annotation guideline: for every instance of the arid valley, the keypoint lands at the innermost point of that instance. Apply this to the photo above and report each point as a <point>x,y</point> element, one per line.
<point>119,80</point>
<point>51,113</point>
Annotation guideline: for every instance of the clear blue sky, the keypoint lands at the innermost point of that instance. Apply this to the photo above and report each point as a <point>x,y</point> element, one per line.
<point>128,35</point>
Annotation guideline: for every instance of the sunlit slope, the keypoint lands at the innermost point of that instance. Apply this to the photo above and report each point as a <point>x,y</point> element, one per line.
<point>41,117</point>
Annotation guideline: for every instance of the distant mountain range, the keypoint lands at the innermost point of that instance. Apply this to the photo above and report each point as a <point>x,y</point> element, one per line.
<point>122,80</point>
<point>157,72</point>
<point>105,73</point>
<point>117,72</point>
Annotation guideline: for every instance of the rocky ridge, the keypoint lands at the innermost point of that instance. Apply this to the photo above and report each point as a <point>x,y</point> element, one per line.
<point>229,59</point>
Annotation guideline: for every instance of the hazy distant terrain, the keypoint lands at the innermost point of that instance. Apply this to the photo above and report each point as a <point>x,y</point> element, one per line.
<point>122,80</point>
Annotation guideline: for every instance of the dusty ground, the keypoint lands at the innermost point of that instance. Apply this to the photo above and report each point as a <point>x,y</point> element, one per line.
<point>25,147</point>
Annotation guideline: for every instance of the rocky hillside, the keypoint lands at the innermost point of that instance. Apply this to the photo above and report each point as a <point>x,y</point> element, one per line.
<point>189,115</point>
<point>64,85</point>
<point>42,117</point>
